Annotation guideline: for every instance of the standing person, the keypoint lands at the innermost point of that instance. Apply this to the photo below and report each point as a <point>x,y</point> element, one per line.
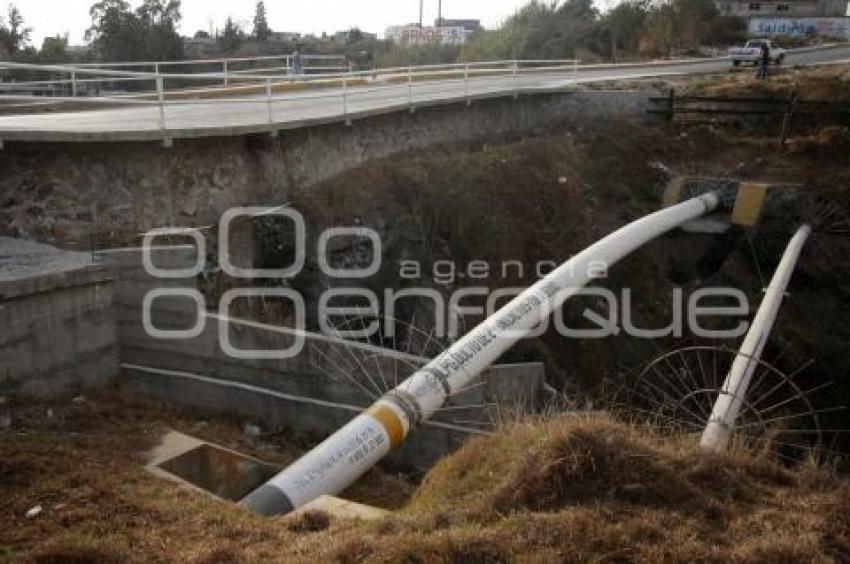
<point>297,66</point>
<point>763,62</point>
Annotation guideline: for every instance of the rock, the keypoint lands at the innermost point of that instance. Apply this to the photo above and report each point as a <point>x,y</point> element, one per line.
<point>79,399</point>
<point>562,180</point>
<point>49,413</point>
<point>34,512</point>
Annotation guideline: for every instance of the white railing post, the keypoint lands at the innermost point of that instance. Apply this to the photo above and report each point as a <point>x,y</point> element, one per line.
<point>345,96</point>
<point>466,83</point>
<point>160,94</point>
<point>224,67</point>
<point>516,69</point>
<point>410,87</point>
<point>269,99</point>
<point>73,85</point>
<point>575,69</point>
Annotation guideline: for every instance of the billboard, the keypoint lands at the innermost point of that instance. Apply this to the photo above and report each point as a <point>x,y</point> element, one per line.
<point>801,27</point>
<point>415,35</point>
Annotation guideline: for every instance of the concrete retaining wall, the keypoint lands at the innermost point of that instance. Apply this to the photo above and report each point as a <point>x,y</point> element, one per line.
<point>58,334</point>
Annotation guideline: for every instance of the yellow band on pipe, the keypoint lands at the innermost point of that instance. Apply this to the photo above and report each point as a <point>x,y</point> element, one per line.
<point>389,421</point>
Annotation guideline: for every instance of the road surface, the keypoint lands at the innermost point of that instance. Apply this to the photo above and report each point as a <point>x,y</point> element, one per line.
<point>223,116</point>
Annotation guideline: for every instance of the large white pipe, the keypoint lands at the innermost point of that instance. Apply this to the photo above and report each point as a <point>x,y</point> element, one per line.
<point>347,454</point>
<point>727,407</point>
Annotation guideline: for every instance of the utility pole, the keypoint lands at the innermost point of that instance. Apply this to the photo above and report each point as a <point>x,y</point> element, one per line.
<point>440,13</point>
<point>421,12</point>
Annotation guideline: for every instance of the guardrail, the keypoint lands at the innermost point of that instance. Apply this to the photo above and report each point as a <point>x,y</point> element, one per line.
<point>151,88</point>
<point>309,64</point>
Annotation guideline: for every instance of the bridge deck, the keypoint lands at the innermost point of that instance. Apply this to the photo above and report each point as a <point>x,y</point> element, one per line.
<point>220,117</point>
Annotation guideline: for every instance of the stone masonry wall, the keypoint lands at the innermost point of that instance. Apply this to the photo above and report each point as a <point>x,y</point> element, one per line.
<point>62,193</point>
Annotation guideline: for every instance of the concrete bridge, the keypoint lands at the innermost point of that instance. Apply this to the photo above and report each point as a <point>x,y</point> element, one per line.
<point>349,97</point>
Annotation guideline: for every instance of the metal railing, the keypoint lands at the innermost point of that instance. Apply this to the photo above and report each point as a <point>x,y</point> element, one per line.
<point>310,64</point>
<point>95,84</point>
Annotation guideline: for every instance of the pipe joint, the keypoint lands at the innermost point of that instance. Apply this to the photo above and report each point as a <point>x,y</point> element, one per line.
<point>407,404</point>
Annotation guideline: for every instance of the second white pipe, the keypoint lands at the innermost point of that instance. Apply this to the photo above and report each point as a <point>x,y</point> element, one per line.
<point>721,424</point>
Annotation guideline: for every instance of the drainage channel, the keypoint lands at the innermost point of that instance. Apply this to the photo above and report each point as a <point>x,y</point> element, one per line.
<point>215,470</point>
<point>229,475</point>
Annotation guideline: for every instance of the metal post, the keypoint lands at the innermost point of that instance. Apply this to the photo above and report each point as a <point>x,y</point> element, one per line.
<point>786,121</point>
<point>671,104</point>
<point>345,98</point>
<point>575,69</point>
<point>160,94</point>
<point>225,71</point>
<point>73,84</point>
<point>355,448</point>
<point>516,92</point>
<point>410,87</point>
<point>269,99</point>
<point>466,84</point>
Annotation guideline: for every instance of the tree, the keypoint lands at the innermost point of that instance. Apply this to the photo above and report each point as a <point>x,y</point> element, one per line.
<point>54,49</point>
<point>695,19</point>
<point>262,31</point>
<point>354,35</point>
<point>542,30</point>
<point>159,20</point>
<point>232,36</point>
<point>13,35</point>
<point>149,33</point>
<point>625,26</point>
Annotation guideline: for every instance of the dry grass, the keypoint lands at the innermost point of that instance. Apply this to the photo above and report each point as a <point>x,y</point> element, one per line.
<point>577,490</point>
<point>554,490</point>
<point>83,465</point>
<point>827,84</point>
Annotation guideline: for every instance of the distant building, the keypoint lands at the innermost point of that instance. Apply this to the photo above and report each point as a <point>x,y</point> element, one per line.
<point>284,36</point>
<point>783,8</point>
<point>414,35</point>
<point>468,25</point>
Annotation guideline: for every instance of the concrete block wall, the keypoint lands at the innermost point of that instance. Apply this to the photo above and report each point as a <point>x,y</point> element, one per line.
<point>58,334</point>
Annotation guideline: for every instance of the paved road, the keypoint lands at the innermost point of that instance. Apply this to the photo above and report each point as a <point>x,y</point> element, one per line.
<point>224,116</point>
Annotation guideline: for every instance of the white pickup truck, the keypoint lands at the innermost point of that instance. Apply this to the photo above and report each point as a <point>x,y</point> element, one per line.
<point>751,52</point>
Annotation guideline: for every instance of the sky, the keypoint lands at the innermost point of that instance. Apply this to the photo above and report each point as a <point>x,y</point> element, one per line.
<point>49,17</point>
